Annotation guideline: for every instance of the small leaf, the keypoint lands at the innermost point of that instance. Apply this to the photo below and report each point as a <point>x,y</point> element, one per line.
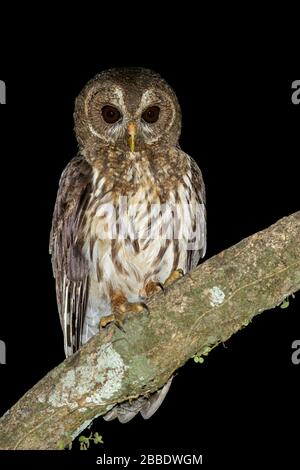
<point>97,438</point>
<point>198,359</point>
<point>285,303</point>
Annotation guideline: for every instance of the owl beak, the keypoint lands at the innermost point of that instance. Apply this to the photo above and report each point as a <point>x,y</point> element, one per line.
<point>132,134</point>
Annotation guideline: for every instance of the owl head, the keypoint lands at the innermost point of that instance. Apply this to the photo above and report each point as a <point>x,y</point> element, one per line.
<point>129,109</point>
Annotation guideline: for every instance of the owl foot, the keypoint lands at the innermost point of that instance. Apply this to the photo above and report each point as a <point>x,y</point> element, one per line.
<point>120,311</point>
<point>151,288</point>
<point>174,276</point>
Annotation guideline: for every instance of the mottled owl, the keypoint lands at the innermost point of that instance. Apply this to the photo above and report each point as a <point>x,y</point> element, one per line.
<point>130,209</point>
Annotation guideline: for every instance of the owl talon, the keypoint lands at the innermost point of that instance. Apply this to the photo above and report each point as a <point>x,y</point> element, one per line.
<point>145,306</point>
<point>174,276</point>
<point>112,319</point>
<point>108,319</point>
<point>120,312</point>
<point>119,325</point>
<point>161,286</point>
<point>151,288</point>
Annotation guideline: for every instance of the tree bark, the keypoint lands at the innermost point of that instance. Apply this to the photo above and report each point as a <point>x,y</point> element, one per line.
<point>195,314</point>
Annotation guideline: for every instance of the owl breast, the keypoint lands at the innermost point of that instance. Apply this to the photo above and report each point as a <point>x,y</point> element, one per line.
<point>134,236</point>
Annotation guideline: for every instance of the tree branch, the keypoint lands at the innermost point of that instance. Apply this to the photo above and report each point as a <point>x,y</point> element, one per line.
<point>198,312</point>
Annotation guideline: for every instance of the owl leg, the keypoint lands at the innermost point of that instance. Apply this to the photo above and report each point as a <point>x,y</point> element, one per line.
<point>174,276</point>
<point>120,308</point>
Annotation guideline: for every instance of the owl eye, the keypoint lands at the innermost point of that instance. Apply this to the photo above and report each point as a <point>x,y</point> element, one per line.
<point>151,114</point>
<point>110,114</point>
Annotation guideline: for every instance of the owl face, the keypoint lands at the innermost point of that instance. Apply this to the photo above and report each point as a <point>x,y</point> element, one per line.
<point>130,109</point>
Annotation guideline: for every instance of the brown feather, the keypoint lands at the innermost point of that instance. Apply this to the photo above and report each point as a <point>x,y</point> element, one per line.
<point>70,268</point>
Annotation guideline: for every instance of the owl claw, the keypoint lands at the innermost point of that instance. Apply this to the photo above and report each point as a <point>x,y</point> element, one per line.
<point>161,286</point>
<point>120,312</point>
<point>111,320</point>
<point>119,325</point>
<point>174,276</point>
<point>151,288</point>
<point>108,319</point>
<point>145,306</point>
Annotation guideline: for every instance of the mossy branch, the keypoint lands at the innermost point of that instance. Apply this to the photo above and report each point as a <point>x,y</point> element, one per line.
<point>201,310</point>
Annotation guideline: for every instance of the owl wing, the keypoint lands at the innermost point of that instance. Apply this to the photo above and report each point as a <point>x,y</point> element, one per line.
<point>70,268</point>
<point>199,222</point>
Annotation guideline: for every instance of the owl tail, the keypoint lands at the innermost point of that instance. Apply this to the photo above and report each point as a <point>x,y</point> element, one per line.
<point>146,406</point>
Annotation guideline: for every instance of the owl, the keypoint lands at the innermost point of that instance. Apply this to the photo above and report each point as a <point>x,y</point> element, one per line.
<point>130,211</point>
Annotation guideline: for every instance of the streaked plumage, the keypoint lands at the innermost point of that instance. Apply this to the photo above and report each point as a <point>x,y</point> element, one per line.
<point>93,266</point>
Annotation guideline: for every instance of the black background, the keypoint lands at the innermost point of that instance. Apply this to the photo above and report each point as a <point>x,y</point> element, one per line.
<point>241,405</point>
